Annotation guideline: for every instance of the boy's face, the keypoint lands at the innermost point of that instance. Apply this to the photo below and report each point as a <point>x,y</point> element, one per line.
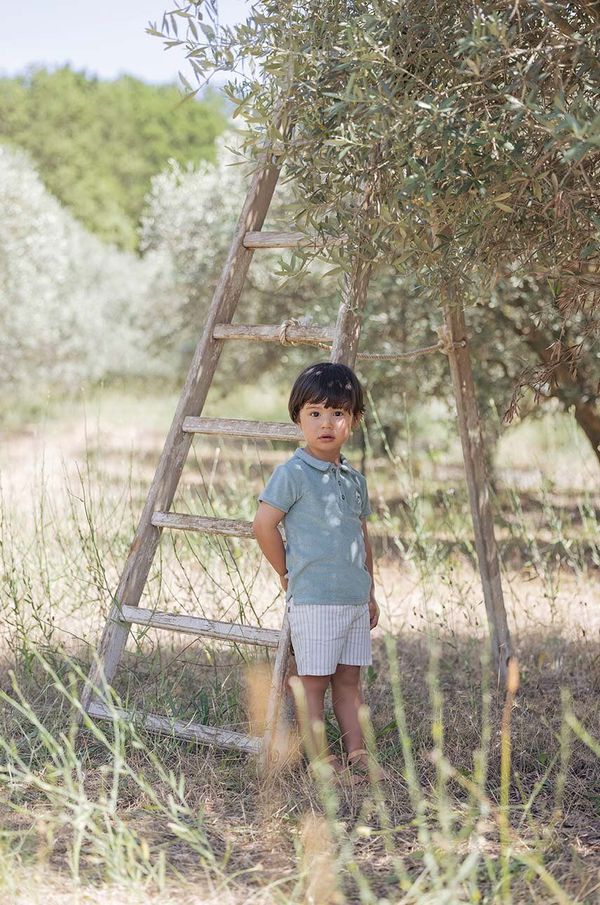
<point>325,429</point>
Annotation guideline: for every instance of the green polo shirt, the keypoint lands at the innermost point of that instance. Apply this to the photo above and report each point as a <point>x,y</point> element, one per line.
<point>325,550</point>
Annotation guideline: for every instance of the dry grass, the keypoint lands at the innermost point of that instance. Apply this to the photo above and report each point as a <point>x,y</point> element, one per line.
<point>115,815</point>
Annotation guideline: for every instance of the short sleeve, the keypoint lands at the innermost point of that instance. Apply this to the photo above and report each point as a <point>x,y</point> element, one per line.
<point>366,510</point>
<point>282,490</point>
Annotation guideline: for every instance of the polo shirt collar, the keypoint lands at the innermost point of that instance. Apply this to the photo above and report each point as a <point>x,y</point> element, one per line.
<point>319,464</point>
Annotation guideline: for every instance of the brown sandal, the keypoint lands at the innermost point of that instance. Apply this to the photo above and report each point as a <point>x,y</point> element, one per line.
<point>333,762</point>
<point>358,767</point>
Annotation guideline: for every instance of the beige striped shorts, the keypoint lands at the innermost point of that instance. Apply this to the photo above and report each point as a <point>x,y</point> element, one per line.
<point>325,636</point>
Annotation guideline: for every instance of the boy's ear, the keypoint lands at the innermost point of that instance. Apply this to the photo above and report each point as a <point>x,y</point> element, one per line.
<point>356,419</point>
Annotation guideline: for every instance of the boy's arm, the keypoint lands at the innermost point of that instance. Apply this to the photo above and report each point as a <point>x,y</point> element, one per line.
<point>269,539</point>
<point>373,605</point>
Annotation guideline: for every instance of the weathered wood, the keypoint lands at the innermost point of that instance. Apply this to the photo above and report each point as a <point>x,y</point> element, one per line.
<point>177,444</point>
<point>265,239</point>
<point>477,482</point>
<point>271,333</point>
<point>207,628</point>
<point>347,328</point>
<point>206,735</point>
<point>253,430</point>
<point>323,336</point>
<point>203,524</point>
<point>276,693</point>
<point>260,239</point>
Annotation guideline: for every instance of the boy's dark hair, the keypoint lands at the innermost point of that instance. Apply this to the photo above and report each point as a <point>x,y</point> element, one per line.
<point>326,383</point>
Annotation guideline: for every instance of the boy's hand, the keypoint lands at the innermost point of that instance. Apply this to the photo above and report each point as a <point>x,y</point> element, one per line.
<point>373,612</point>
<point>283,579</point>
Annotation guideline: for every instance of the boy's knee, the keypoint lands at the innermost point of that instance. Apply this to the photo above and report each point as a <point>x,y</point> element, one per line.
<point>316,683</point>
<point>309,683</point>
<point>346,675</point>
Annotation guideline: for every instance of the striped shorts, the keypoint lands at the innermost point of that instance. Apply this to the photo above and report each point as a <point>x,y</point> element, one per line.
<point>325,636</point>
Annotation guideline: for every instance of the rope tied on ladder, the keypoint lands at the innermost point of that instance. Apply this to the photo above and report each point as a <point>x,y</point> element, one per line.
<point>283,329</point>
<point>445,344</point>
<point>298,322</point>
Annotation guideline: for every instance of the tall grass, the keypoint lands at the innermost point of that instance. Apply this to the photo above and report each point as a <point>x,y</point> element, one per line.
<point>488,796</point>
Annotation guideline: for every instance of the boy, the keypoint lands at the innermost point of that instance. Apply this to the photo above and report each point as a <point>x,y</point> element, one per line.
<point>326,566</point>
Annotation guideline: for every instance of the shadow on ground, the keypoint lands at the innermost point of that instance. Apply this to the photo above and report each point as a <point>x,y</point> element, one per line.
<point>252,825</point>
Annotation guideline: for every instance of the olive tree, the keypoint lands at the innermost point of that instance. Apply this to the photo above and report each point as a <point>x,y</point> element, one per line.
<point>72,309</point>
<point>452,140</point>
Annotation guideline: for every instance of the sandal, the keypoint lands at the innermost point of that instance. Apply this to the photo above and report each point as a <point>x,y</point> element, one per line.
<point>333,762</point>
<point>358,767</point>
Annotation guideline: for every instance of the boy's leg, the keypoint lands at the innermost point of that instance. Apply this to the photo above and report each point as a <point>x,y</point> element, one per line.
<point>346,697</point>
<point>314,690</point>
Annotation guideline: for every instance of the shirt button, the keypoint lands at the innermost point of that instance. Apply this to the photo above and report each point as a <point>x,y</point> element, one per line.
<point>343,497</point>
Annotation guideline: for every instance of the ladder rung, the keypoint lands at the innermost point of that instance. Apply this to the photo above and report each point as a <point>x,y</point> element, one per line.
<point>265,239</point>
<point>271,333</point>
<point>209,735</point>
<point>194,625</point>
<point>204,524</point>
<point>257,430</point>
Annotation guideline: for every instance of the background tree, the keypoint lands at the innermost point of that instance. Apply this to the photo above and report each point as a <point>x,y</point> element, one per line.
<point>72,309</point>
<point>96,144</point>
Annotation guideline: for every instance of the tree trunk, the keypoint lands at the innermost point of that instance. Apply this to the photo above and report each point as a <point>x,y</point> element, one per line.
<point>588,419</point>
<point>469,426</point>
<point>571,389</point>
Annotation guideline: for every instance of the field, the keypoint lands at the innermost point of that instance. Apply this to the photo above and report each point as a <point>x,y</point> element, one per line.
<point>487,798</point>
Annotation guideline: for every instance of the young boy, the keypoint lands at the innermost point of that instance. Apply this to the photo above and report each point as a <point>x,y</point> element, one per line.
<point>326,565</point>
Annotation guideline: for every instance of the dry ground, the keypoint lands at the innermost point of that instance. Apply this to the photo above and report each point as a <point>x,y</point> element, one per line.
<point>233,837</point>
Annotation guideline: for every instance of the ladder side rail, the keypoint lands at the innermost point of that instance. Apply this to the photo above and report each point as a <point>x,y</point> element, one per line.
<point>177,444</point>
<point>277,693</point>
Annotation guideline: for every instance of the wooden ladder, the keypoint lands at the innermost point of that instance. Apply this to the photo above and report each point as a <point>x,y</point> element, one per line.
<point>156,515</point>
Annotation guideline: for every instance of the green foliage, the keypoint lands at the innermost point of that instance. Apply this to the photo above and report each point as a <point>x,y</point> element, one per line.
<point>465,137</point>
<point>72,309</point>
<point>97,144</point>
<point>456,143</point>
<point>189,218</point>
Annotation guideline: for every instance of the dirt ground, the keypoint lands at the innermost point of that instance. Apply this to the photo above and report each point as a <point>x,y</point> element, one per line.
<point>552,598</point>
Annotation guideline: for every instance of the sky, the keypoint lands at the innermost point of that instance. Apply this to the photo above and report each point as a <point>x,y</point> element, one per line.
<point>104,37</point>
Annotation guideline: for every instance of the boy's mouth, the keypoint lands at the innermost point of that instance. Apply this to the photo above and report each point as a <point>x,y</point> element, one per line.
<point>326,437</point>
